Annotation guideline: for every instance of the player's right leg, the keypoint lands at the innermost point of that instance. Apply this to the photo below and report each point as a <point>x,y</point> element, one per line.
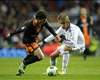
<point>53,57</point>
<point>21,69</point>
<point>53,60</point>
<point>29,59</point>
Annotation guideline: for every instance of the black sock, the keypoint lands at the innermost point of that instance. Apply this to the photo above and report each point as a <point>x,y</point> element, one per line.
<point>30,59</point>
<point>53,61</point>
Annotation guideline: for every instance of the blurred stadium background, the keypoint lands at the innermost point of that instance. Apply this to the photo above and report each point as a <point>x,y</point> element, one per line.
<point>14,13</point>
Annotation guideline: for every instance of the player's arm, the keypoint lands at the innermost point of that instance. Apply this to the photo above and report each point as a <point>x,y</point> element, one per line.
<point>51,30</point>
<point>82,45</point>
<point>18,30</point>
<point>50,37</point>
<point>71,44</point>
<point>73,41</point>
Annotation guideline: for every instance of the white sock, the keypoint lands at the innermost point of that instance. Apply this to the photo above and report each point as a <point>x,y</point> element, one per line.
<point>21,65</point>
<point>65,61</point>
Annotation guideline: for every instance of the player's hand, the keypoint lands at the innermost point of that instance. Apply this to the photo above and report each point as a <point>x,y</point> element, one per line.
<point>8,36</point>
<point>67,49</point>
<point>62,38</point>
<point>40,43</point>
<point>58,38</point>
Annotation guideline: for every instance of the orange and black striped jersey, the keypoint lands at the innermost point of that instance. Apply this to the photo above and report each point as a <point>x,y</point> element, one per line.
<point>31,32</point>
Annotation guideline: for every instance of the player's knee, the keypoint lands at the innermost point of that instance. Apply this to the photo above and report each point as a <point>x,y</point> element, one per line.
<point>41,56</point>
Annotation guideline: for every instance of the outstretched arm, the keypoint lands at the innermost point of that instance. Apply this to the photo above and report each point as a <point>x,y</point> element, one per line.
<point>50,29</point>
<point>51,37</point>
<point>18,30</point>
<point>76,43</point>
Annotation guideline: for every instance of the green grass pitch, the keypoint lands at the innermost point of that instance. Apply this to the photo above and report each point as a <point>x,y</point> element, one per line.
<point>78,69</point>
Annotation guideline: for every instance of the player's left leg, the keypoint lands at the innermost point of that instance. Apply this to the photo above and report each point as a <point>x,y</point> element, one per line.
<point>29,59</point>
<point>65,61</point>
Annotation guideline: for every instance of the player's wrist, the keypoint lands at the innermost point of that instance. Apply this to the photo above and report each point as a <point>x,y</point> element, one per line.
<point>44,41</point>
<point>8,35</point>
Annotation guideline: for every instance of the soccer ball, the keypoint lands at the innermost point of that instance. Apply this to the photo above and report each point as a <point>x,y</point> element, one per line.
<point>51,70</point>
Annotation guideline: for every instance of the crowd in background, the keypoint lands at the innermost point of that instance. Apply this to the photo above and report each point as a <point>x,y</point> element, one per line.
<point>14,13</point>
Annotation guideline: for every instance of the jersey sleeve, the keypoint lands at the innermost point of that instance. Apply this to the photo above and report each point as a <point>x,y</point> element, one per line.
<point>50,29</point>
<point>19,30</point>
<point>51,37</point>
<point>22,28</point>
<point>81,42</point>
<point>78,40</point>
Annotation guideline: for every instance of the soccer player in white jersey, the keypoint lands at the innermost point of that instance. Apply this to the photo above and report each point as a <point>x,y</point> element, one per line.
<point>72,40</point>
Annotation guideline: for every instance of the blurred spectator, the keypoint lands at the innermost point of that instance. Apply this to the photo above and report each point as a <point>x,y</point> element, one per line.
<point>85,22</point>
<point>17,43</point>
<point>13,13</point>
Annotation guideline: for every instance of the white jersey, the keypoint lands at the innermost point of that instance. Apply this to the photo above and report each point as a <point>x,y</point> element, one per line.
<point>73,37</point>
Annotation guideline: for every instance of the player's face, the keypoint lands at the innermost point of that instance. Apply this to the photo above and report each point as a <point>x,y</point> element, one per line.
<point>41,22</point>
<point>64,24</point>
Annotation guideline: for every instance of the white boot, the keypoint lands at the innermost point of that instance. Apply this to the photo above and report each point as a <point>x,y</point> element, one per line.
<point>21,69</point>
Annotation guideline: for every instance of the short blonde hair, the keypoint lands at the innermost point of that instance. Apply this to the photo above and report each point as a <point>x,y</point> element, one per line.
<point>63,17</point>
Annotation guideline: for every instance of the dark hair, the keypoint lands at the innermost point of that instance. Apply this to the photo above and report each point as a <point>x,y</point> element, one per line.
<point>40,15</point>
